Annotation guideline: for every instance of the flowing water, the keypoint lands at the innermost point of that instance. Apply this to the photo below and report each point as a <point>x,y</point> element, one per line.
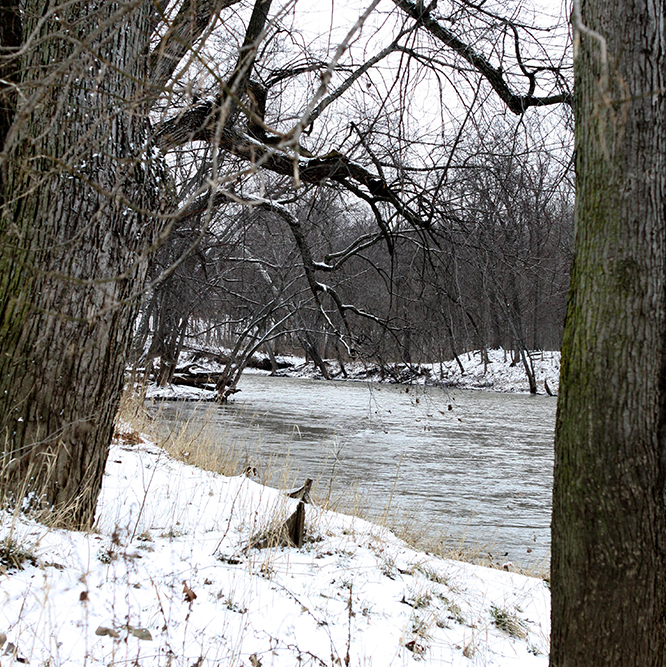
<point>466,467</point>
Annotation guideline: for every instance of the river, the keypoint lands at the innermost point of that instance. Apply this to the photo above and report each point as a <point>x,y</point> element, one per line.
<point>468,468</point>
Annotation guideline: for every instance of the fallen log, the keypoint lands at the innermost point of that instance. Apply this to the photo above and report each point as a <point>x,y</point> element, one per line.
<point>199,380</point>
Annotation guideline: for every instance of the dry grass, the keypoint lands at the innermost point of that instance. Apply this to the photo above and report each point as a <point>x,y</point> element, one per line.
<point>14,554</point>
<point>509,622</point>
<point>192,441</point>
<point>480,555</point>
<point>22,498</point>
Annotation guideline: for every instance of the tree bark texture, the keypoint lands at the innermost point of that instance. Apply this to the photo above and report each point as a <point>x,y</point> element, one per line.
<point>609,522</point>
<point>74,233</point>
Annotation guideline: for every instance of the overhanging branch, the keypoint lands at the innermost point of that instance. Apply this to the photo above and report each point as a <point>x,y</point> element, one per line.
<point>518,104</point>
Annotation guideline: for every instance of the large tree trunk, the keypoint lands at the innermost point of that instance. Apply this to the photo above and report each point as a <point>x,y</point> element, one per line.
<point>609,523</point>
<point>74,246</point>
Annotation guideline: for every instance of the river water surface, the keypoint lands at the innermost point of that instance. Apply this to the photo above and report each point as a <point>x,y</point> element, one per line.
<point>466,467</point>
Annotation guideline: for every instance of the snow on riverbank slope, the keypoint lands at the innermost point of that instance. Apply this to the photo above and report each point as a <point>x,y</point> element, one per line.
<point>500,375</point>
<point>496,374</point>
<point>166,579</point>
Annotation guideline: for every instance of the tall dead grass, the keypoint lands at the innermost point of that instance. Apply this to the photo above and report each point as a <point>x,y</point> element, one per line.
<point>191,440</point>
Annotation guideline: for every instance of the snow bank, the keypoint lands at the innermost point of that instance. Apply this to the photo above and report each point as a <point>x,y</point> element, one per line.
<point>166,579</point>
<point>494,372</point>
<point>497,373</point>
<point>179,392</point>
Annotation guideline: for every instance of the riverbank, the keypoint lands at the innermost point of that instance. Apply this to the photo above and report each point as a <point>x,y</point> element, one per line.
<point>166,578</point>
<point>493,371</point>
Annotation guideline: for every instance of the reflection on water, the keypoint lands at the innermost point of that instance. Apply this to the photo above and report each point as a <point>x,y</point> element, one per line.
<point>460,464</point>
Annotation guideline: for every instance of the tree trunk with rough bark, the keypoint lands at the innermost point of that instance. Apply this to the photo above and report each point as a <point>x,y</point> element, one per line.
<point>609,519</point>
<point>74,233</point>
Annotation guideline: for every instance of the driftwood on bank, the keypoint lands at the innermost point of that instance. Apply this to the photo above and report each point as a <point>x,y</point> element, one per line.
<point>302,492</point>
<point>203,380</point>
<point>291,532</point>
<point>207,379</point>
<point>199,380</point>
<point>288,534</point>
<point>188,378</point>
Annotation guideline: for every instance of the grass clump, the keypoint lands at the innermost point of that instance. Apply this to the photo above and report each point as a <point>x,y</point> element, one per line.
<point>14,555</point>
<point>421,637</point>
<point>452,610</point>
<point>417,598</point>
<point>508,622</point>
<point>420,626</point>
<point>431,574</point>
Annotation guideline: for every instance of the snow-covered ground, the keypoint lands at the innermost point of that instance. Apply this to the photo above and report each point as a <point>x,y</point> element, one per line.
<point>499,374</point>
<point>166,579</point>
